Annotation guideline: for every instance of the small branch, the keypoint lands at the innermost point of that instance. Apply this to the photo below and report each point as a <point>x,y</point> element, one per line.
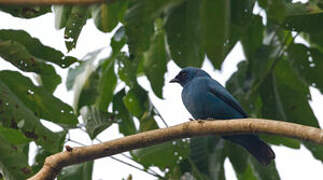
<point>54,163</point>
<point>49,2</point>
<point>128,164</point>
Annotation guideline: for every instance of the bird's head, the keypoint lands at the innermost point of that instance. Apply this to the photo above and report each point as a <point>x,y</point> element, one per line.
<point>188,74</point>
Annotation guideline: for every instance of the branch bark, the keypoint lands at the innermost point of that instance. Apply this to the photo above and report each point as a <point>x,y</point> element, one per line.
<point>49,2</point>
<point>54,163</point>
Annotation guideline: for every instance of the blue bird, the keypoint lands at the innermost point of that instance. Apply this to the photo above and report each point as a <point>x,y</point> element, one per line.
<point>206,98</point>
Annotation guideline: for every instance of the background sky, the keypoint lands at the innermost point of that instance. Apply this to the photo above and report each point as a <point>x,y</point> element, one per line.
<point>292,164</point>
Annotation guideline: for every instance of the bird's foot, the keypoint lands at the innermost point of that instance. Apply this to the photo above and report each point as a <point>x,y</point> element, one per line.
<point>191,119</point>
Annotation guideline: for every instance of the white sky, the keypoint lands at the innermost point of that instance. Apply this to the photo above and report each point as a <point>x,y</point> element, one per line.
<point>292,164</point>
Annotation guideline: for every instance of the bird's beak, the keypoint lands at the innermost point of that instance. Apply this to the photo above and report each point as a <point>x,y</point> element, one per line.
<point>174,80</point>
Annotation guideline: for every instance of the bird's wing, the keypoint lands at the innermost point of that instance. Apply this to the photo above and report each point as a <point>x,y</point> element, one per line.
<point>218,90</point>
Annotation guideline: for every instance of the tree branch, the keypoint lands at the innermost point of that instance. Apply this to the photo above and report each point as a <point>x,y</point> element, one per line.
<point>54,163</point>
<point>49,2</point>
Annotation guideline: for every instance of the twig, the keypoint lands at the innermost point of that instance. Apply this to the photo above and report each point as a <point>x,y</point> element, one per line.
<point>123,162</point>
<point>54,163</point>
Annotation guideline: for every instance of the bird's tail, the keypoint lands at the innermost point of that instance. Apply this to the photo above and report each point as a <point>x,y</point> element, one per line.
<point>254,145</point>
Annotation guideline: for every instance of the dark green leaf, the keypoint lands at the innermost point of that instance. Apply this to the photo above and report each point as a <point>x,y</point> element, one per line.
<point>183,27</point>
<point>13,136</point>
<point>62,12</point>
<point>239,160</point>
<point>122,115</point>
<point>74,25</point>
<point>107,16</point>
<point>166,155</point>
<point>139,22</point>
<point>309,23</point>
<point>254,36</point>
<point>79,171</point>
<point>13,161</point>
<point>36,48</point>
<point>308,63</point>
<point>25,11</point>
<point>215,31</point>
<point>107,84</point>
<point>17,55</point>
<point>155,63</point>
<point>22,104</point>
<point>37,99</point>
<point>207,154</point>
<point>264,173</point>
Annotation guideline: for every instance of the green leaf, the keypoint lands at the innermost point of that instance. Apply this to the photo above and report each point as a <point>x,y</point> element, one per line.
<point>252,41</point>
<point>62,13</point>
<point>107,84</point>
<point>43,104</point>
<point>118,40</point>
<point>81,171</point>
<point>207,154</point>
<point>17,55</point>
<point>36,48</point>
<point>183,28</point>
<point>13,161</point>
<point>239,160</point>
<point>139,20</point>
<point>25,11</point>
<point>166,155</point>
<point>264,173</point>
<point>13,136</point>
<point>107,16</point>
<point>155,63</point>
<point>137,101</point>
<point>122,115</point>
<point>215,32</point>
<point>309,23</point>
<point>74,25</point>
<point>307,62</point>
<point>127,69</point>
<point>22,104</point>
<point>95,120</point>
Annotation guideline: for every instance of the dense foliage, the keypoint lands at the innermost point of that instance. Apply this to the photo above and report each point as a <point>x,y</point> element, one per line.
<point>272,82</point>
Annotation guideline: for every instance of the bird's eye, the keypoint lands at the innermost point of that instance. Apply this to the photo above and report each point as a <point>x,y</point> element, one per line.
<point>183,73</point>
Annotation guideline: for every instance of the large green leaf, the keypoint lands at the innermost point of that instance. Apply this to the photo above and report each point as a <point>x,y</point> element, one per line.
<point>252,41</point>
<point>74,25</point>
<point>25,11</point>
<point>139,20</point>
<point>107,16</point>
<point>81,171</point>
<point>239,160</point>
<point>62,13</point>
<point>122,115</point>
<point>215,31</point>
<point>17,55</point>
<point>155,63</point>
<point>308,63</point>
<point>107,84</point>
<point>207,155</point>
<point>23,104</point>
<point>37,99</point>
<point>139,104</point>
<point>13,161</point>
<point>166,155</point>
<point>36,48</point>
<point>183,27</point>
